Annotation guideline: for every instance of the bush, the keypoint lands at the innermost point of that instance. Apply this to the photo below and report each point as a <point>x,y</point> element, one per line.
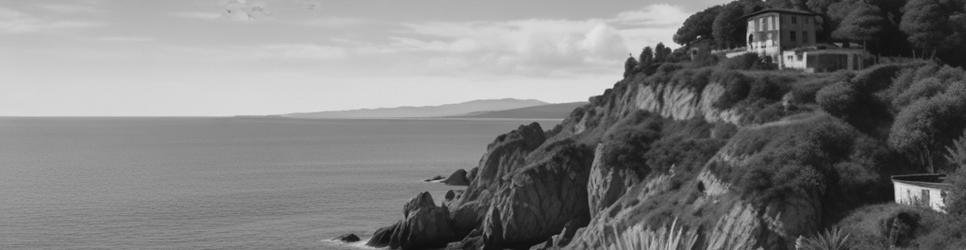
<point>838,99</point>
<point>749,61</point>
<point>883,226</point>
<point>736,88</point>
<point>920,90</point>
<point>806,159</point>
<point>832,239</point>
<point>669,237</point>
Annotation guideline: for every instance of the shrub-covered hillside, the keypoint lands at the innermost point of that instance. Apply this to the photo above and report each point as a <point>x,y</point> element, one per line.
<point>910,28</point>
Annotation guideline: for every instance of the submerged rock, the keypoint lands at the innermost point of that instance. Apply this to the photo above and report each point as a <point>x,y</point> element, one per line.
<point>382,236</point>
<point>347,238</point>
<point>458,178</point>
<point>435,178</point>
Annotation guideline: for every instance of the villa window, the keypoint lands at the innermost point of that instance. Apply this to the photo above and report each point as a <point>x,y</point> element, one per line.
<point>791,36</point>
<point>764,24</point>
<point>794,19</point>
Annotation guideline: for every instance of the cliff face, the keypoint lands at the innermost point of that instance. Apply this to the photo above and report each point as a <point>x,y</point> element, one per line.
<point>651,150</point>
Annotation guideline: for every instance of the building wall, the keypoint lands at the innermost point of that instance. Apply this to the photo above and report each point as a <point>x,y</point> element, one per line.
<point>800,27</point>
<point>824,60</point>
<point>913,195</point>
<point>769,34</point>
<point>764,34</point>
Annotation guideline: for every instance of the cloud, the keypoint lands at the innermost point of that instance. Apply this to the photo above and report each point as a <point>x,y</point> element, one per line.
<point>232,10</point>
<point>334,22</point>
<point>542,47</point>
<point>69,8</point>
<point>660,15</point>
<point>126,39</point>
<point>197,15</point>
<point>14,21</point>
<point>303,51</point>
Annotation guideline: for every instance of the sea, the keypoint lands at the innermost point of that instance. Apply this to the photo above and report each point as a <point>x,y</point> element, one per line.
<point>221,183</point>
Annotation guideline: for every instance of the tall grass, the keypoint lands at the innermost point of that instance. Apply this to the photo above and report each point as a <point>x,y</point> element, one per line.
<point>638,237</point>
<point>832,239</point>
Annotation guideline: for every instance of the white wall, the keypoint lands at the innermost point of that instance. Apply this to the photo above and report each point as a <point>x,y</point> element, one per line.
<point>907,194</point>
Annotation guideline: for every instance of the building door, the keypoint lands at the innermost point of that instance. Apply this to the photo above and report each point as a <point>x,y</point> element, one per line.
<point>925,197</point>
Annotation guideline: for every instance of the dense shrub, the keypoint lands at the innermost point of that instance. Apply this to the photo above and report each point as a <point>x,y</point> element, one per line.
<point>922,89</point>
<point>838,99</point>
<point>883,226</point>
<point>806,159</point>
<point>749,61</point>
<point>736,87</point>
<point>925,126</point>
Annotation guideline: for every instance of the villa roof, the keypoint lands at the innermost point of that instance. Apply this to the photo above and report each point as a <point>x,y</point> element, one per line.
<point>784,11</point>
<point>923,180</point>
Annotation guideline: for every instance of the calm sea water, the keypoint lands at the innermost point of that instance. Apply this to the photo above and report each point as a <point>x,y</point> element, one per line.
<point>219,183</point>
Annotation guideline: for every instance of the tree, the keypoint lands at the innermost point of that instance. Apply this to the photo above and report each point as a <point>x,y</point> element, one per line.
<point>819,6</point>
<point>926,125</point>
<point>864,23</point>
<point>661,52</point>
<point>956,155</point>
<point>697,26</point>
<point>629,66</point>
<point>838,99</point>
<point>647,57</point>
<point>727,29</point>
<point>924,22</point>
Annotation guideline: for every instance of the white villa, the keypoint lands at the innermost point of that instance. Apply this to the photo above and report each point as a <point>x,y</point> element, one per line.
<point>921,190</point>
<point>788,37</point>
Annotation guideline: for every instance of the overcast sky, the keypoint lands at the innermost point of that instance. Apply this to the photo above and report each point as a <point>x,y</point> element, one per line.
<point>248,57</point>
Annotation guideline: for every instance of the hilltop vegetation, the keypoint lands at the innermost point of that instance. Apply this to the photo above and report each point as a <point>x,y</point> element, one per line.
<point>736,154</point>
<point>910,28</point>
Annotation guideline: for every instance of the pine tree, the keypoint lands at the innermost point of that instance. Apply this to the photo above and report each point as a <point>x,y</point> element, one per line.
<point>697,26</point>
<point>629,66</point>
<point>924,22</point>
<point>727,29</point>
<point>863,24</point>
<point>647,57</point>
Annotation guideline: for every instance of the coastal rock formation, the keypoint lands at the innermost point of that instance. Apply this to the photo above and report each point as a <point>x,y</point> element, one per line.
<point>425,226</point>
<point>348,238</point>
<point>736,177</point>
<point>457,178</point>
<point>540,199</point>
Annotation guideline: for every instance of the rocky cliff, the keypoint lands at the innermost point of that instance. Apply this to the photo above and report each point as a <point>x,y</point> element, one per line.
<point>741,170</point>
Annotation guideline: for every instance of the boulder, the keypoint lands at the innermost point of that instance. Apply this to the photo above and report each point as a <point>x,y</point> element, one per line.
<point>541,199</point>
<point>425,226</point>
<point>435,178</point>
<point>423,200</point>
<point>382,236</point>
<point>504,155</point>
<point>458,178</point>
<point>347,238</point>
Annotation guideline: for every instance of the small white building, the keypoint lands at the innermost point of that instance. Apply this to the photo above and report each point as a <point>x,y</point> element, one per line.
<point>825,58</point>
<point>921,190</point>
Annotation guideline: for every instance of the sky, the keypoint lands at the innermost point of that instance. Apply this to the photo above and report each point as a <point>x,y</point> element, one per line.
<point>257,57</point>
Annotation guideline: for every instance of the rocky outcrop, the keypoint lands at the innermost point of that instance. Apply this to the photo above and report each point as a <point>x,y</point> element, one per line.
<point>606,183</point>
<point>347,238</point>
<point>681,102</point>
<point>457,178</point>
<point>425,226</point>
<point>540,199</point>
<point>504,155</point>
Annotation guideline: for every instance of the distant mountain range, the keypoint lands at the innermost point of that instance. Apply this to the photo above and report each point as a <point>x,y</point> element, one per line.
<point>491,108</point>
<point>549,111</point>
